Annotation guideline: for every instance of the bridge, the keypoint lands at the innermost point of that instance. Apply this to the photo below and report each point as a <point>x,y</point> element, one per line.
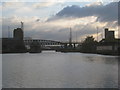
<point>49,44</point>
<point>42,42</point>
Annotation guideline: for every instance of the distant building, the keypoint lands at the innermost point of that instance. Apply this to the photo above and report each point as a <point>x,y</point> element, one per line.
<point>12,45</point>
<point>15,44</point>
<point>109,35</point>
<point>18,34</point>
<point>109,45</point>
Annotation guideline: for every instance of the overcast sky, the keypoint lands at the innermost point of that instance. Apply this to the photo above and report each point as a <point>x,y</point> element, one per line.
<point>52,20</point>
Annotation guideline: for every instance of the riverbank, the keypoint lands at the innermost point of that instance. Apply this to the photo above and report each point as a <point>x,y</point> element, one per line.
<point>115,53</point>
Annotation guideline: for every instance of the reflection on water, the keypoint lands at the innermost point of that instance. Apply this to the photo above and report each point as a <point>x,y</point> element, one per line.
<point>119,72</point>
<point>105,59</point>
<point>60,70</point>
<point>0,71</point>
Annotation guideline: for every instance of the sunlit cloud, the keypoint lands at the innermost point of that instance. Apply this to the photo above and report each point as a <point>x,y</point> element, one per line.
<point>44,4</point>
<point>94,4</point>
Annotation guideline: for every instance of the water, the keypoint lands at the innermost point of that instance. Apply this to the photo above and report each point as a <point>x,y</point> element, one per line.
<point>59,70</point>
<point>0,71</point>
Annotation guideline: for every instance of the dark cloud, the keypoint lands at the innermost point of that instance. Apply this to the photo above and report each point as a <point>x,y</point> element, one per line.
<point>105,13</point>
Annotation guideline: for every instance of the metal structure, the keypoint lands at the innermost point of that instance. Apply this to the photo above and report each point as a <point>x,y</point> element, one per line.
<point>70,38</point>
<point>22,26</point>
<point>42,42</point>
<point>45,43</point>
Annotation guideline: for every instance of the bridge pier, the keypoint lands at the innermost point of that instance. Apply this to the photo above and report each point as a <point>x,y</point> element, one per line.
<point>74,45</point>
<point>65,45</point>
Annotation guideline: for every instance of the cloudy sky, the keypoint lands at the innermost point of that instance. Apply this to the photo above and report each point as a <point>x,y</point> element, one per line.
<point>52,19</point>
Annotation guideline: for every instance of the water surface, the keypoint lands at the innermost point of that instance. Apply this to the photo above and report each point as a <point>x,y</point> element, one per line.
<point>59,70</point>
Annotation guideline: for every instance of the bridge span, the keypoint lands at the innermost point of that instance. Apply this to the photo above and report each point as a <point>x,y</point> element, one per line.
<point>49,44</point>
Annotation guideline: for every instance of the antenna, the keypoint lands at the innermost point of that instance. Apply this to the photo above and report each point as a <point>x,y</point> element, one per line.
<point>76,36</point>
<point>103,33</point>
<point>97,33</point>
<point>97,27</point>
<point>22,25</point>
<point>70,39</point>
<point>8,32</point>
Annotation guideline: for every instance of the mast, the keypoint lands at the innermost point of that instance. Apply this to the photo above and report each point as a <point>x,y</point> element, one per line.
<point>70,39</point>
<point>97,33</point>
<point>22,27</point>
<point>76,36</point>
<point>8,31</point>
<point>97,26</point>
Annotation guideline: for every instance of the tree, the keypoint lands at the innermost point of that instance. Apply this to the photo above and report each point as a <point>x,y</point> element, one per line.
<point>89,45</point>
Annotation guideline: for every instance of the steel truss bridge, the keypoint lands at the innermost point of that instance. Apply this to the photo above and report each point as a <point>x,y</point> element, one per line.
<point>42,42</point>
<point>49,43</point>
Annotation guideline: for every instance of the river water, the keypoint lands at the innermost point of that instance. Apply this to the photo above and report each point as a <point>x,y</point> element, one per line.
<point>51,69</point>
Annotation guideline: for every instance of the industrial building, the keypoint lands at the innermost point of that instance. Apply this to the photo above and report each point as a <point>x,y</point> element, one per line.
<point>15,44</point>
<point>109,34</point>
<point>18,34</point>
<point>109,45</point>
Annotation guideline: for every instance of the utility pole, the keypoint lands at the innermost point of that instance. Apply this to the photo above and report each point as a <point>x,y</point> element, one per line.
<point>97,27</point>
<point>97,33</point>
<point>76,36</point>
<point>103,33</point>
<point>22,25</point>
<point>70,39</point>
<point>8,32</point>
